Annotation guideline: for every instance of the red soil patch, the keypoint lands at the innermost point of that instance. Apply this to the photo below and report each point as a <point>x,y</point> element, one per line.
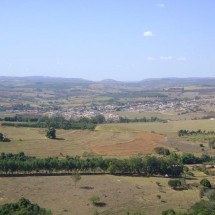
<point>144,143</point>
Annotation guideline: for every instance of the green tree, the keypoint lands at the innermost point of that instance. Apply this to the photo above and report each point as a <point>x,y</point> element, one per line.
<point>51,133</point>
<point>76,177</point>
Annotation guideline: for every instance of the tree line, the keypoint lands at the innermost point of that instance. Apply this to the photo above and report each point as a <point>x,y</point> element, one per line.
<point>189,158</point>
<point>171,164</point>
<point>60,122</point>
<point>184,132</point>
<point>57,122</point>
<point>140,165</point>
<point>143,119</point>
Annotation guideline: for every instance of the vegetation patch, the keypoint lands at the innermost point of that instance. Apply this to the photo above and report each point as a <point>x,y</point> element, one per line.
<point>175,183</point>
<point>23,207</point>
<point>3,138</point>
<point>142,165</point>
<point>199,135</point>
<point>162,151</point>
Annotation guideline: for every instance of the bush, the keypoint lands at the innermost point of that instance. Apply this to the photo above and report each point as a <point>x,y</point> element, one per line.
<point>94,199</point>
<point>203,190</point>
<point>162,151</point>
<point>174,183</point>
<point>51,133</point>
<point>23,207</point>
<point>3,138</point>
<point>205,183</point>
<point>211,143</point>
<point>211,195</point>
<point>203,208</point>
<point>169,212</point>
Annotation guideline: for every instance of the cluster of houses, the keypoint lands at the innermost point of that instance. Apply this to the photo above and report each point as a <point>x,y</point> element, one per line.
<point>110,111</point>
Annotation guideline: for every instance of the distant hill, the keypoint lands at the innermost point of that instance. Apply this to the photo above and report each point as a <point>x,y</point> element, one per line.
<point>145,83</point>
<point>177,82</point>
<point>47,79</point>
<point>110,81</point>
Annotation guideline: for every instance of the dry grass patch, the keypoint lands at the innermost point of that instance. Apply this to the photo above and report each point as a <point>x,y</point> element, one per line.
<point>120,194</point>
<point>143,143</point>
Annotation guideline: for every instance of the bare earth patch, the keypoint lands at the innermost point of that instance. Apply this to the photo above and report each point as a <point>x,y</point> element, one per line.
<point>143,143</point>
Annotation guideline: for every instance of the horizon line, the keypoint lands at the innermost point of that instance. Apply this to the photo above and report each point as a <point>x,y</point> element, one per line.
<point>106,79</point>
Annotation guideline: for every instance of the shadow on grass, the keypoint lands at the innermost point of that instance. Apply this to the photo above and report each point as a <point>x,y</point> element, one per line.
<point>87,187</point>
<point>59,138</point>
<point>99,204</point>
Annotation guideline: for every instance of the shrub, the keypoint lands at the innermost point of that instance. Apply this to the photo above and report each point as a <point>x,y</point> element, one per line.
<point>76,177</point>
<point>211,195</point>
<point>190,173</point>
<point>23,207</point>
<point>94,199</point>
<point>169,212</point>
<point>203,190</point>
<point>174,183</point>
<point>203,208</point>
<point>51,133</point>
<point>162,151</point>
<point>159,196</point>
<point>3,138</point>
<point>211,143</point>
<point>205,183</point>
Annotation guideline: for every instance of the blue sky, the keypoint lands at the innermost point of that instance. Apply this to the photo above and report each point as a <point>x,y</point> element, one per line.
<point>98,39</point>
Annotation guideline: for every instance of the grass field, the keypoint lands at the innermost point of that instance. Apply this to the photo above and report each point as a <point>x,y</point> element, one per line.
<point>162,115</point>
<point>164,128</point>
<point>121,194</point>
<point>108,139</point>
<point>32,141</point>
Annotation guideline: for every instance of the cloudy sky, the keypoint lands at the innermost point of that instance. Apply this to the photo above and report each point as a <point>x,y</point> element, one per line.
<point>97,39</point>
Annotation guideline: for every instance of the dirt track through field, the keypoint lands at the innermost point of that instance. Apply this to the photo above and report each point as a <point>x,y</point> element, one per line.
<point>143,143</point>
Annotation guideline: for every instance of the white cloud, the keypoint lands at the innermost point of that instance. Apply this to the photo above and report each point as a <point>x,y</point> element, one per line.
<point>166,57</point>
<point>148,34</point>
<point>181,59</point>
<point>161,5</point>
<point>150,58</point>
